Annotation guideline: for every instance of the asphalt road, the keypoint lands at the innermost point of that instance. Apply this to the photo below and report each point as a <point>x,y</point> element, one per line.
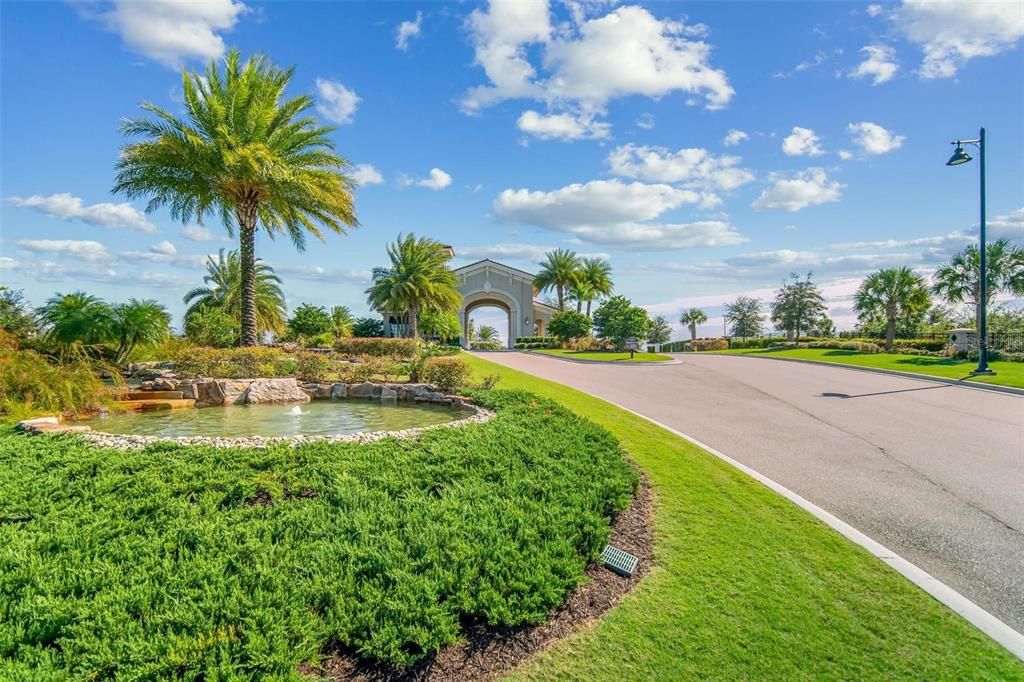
<point>934,472</point>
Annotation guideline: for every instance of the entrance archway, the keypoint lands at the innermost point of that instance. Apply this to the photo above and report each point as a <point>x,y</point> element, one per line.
<point>494,316</point>
<point>489,300</point>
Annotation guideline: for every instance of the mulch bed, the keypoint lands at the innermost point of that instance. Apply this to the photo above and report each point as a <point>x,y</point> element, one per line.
<point>488,652</point>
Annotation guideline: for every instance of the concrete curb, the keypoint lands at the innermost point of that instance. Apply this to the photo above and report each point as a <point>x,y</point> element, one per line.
<point>962,383</point>
<point>616,363</point>
<point>1002,633</point>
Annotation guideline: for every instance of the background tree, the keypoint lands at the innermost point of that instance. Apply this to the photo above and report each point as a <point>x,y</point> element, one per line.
<point>418,280</point>
<point>212,327</point>
<point>594,281</point>
<point>245,154</point>
<point>744,317</point>
<point>442,324</point>
<point>368,328</point>
<point>799,304</point>
<point>16,317</point>
<point>889,294</point>
<point>560,270</point>
<point>77,317</point>
<point>660,332</point>
<point>692,318</point>
<point>309,324</point>
<point>569,324</point>
<point>824,327</point>
<point>341,321</point>
<point>223,290</point>
<point>959,280</point>
<point>138,324</point>
<point>487,334</point>
<point>618,320</point>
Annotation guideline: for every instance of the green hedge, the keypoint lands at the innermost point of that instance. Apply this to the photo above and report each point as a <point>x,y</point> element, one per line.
<point>233,363</point>
<point>178,562</point>
<point>395,349</point>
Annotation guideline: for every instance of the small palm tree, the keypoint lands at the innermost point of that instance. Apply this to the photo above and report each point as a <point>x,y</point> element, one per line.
<point>341,318</point>
<point>138,323</point>
<point>692,318</point>
<point>244,154</point>
<point>559,271</point>
<point>77,317</point>
<point>595,276</point>
<point>224,289</point>
<point>487,334</point>
<point>418,280</point>
<point>891,293</point>
<point>959,280</point>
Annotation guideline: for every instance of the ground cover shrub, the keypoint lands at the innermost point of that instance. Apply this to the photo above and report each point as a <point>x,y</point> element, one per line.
<point>447,373</point>
<point>191,562</point>
<point>369,368</point>
<point>532,345</point>
<point>837,344</point>
<point>485,345</point>
<point>586,344</point>
<point>315,366</point>
<point>234,363</point>
<point>705,345</point>
<point>395,349</point>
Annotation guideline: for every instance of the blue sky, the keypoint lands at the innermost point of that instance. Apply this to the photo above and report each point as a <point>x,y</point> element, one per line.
<point>706,149</point>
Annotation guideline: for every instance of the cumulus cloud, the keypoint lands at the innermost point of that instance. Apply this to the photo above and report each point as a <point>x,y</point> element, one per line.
<point>179,260</point>
<point>406,31</point>
<point>319,273</point>
<point>565,127</point>
<point>89,251</point>
<point>802,142</point>
<point>845,154</point>
<point>645,121</point>
<point>800,190</point>
<point>436,180</point>
<point>1010,225</point>
<point>165,247</point>
<point>873,138</point>
<point>614,213</point>
<point>734,137</point>
<point>692,167</point>
<point>365,174</point>
<point>335,102</point>
<point>880,64</point>
<point>874,10</point>
<point>68,207</point>
<point>954,32</point>
<point>170,31</point>
<point>197,233</point>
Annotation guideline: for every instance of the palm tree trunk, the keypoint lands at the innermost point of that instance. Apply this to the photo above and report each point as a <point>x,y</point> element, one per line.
<point>890,333</point>
<point>588,307</point>
<point>246,214</point>
<point>579,305</point>
<point>693,332</point>
<point>561,298</point>
<point>414,322</point>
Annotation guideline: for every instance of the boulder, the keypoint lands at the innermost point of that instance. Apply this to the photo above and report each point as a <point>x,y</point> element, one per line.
<point>234,390</point>
<point>339,391</point>
<point>30,424</point>
<point>165,384</point>
<point>388,393</point>
<point>284,390</point>
<point>210,392</point>
<point>60,428</point>
<point>188,389</point>
<point>364,390</point>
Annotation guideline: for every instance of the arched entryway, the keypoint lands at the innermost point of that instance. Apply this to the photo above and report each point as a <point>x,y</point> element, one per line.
<point>489,300</point>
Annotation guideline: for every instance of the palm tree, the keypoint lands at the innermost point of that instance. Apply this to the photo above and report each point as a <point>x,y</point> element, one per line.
<point>595,276</point>
<point>341,318</point>
<point>891,293</point>
<point>959,280</point>
<point>76,318</point>
<point>245,154</point>
<point>224,290</point>
<point>138,323</point>
<point>418,280</point>
<point>487,334</point>
<point>560,271</point>
<point>692,318</point>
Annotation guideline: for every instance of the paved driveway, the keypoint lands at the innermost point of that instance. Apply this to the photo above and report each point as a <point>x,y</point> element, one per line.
<point>934,472</point>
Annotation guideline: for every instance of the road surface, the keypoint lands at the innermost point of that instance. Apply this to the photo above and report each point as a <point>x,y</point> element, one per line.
<point>935,472</point>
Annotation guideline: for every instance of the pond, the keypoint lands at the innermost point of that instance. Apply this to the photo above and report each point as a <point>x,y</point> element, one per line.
<point>318,418</point>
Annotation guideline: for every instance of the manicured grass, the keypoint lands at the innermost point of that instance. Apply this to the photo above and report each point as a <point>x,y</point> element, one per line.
<point>749,586</point>
<point>606,356</point>
<point>203,563</point>
<point>1007,373</point>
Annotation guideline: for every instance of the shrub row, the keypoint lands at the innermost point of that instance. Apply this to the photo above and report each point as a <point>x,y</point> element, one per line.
<point>233,363</point>
<point>530,345</point>
<point>395,349</point>
<point>533,339</point>
<point>704,345</point>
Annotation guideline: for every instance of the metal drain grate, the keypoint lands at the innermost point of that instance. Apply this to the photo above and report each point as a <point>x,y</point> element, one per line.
<point>621,562</point>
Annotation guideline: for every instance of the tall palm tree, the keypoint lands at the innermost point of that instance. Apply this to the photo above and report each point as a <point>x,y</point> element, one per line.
<point>692,318</point>
<point>224,290</point>
<point>138,323</point>
<point>891,293</point>
<point>559,271</point>
<point>595,275</point>
<point>959,280</point>
<point>342,320</point>
<point>76,317</point>
<point>245,154</point>
<point>417,280</point>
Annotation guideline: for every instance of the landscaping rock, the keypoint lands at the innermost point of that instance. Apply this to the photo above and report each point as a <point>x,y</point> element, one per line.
<point>59,428</point>
<point>387,393</point>
<point>364,390</point>
<point>188,389</point>
<point>285,390</point>
<point>339,391</point>
<point>30,424</point>
<point>165,384</point>
<point>234,390</point>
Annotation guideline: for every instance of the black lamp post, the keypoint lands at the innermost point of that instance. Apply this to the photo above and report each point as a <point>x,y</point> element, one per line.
<point>961,157</point>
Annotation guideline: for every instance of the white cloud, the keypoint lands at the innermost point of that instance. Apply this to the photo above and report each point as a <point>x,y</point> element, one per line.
<point>565,127</point>
<point>406,31</point>
<point>365,174</point>
<point>845,154</point>
<point>951,33</point>
<point>335,102</point>
<point>734,137</point>
<point>68,207</point>
<point>318,273</point>
<point>8,263</point>
<point>436,180</point>
<point>178,260</point>
<point>880,64</point>
<point>693,167</point>
<point>171,31</point>
<point>589,62</point>
<point>874,10</point>
<point>92,252</point>
<point>1010,226</point>
<point>614,213</point>
<point>645,121</point>
<point>873,138</point>
<point>818,60</point>
<point>165,247</point>
<point>197,233</point>
<point>804,188</point>
<point>802,142</point>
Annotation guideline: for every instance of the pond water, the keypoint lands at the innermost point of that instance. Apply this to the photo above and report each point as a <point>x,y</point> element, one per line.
<point>318,418</point>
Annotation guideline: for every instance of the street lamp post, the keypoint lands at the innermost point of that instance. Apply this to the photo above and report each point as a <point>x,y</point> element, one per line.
<point>960,157</point>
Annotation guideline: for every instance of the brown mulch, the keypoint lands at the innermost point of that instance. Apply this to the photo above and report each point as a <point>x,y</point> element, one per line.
<point>487,652</point>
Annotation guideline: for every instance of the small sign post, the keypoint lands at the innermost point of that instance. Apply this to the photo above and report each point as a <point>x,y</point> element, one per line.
<point>632,345</point>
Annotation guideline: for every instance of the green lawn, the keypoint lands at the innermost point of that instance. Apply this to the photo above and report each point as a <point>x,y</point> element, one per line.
<point>606,356</point>
<point>1007,373</point>
<point>749,586</point>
